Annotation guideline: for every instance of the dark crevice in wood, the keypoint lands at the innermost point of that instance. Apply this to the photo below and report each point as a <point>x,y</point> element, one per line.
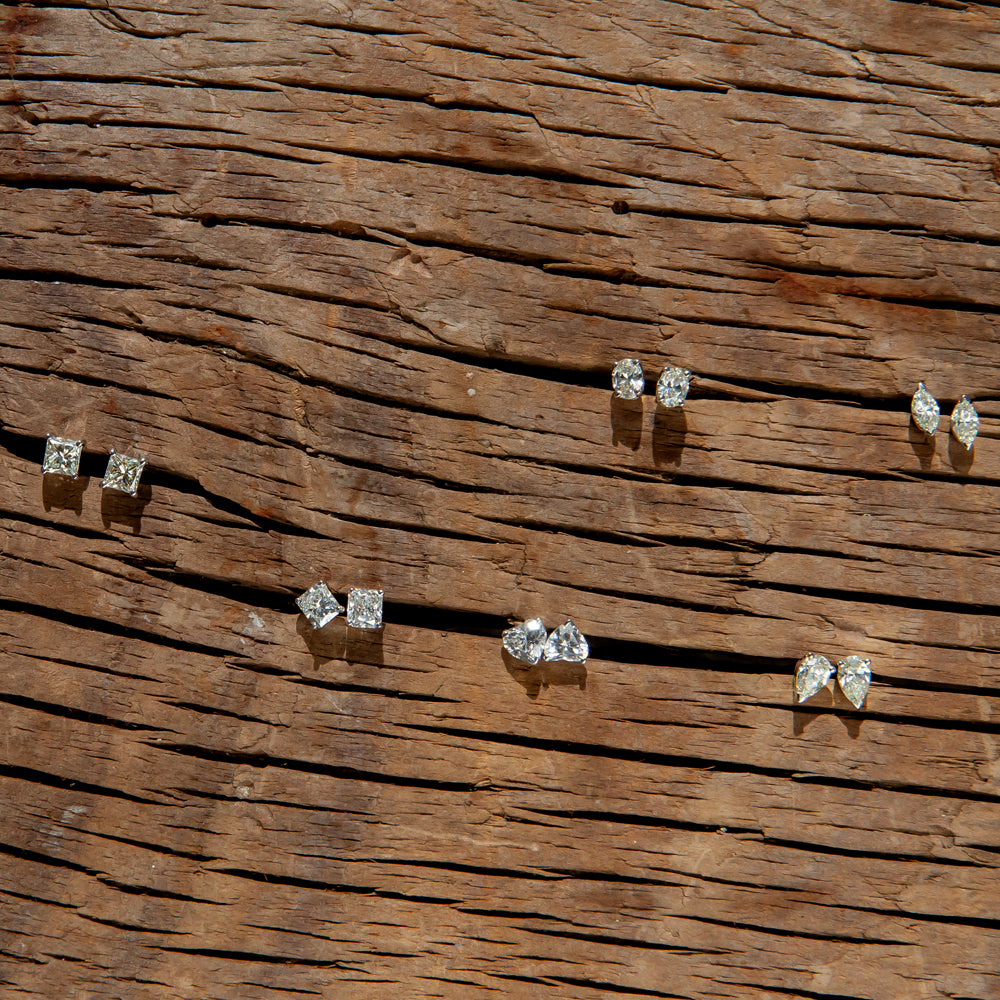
<point>69,784</point>
<point>106,627</point>
<point>305,883</point>
<point>690,762</point>
<point>342,773</point>
<point>77,714</point>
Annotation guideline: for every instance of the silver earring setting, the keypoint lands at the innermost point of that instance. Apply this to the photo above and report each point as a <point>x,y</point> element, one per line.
<point>529,642</point>
<point>854,675</point>
<point>364,607</point>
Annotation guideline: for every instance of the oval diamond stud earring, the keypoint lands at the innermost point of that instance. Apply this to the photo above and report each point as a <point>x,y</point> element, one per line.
<point>526,642</point>
<point>123,473</point>
<point>319,605</point>
<point>925,410</point>
<point>965,422</point>
<point>672,386</point>
<point>627,379</point>
<point>811,675</point>
<point>854,675</point>
<point>62,457</point>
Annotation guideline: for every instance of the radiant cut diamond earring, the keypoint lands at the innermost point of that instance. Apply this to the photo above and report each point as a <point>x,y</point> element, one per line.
<point>925,410</point>
<point>123,473</point>
<point>672,386</point>
<point>965,422</point>
<point>567,642</point>
<point>319,605</point>
<point>627,379</point>
<point>526,642</point>
<point>364,608</point>
<point>62,457</point>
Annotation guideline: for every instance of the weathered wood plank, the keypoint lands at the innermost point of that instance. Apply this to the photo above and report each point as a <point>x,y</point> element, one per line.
<point>353,277</point>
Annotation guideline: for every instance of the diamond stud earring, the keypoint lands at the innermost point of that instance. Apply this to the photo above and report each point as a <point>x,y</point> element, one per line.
<point>526,642</point>
<point>672,387</point>
<point>854,675</point>
<point>965,422</point>
<point>62,457</point>
<point>364,608</point>
<point>567,642</point>
<point>123,473</point>
<point>811,675</point>
<point>627,379</point>
<point>925,410</point>
<point>319,605</point>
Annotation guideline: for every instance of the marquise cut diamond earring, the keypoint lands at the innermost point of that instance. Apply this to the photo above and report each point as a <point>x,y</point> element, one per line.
<point>925,410</point>
<point>965,422</point>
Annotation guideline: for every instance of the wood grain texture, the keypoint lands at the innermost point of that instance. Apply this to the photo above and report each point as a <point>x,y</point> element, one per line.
<point>353,276</point>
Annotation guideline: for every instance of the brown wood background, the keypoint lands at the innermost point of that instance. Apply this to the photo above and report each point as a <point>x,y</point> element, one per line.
<point>353,275</point>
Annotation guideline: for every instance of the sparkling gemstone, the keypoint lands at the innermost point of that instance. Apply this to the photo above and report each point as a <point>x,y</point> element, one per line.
<point>526,642</point>
<point>812,673</point>
<point>319,605</point>
<point>854,674</point>
<point>123,473</point>
<point>965,422</point>
<point>567,643</point>
<point>672,386</point>
<point>925,410</point>
<point>627,379</point>
<point>62,457</point>
<point>364,608</point>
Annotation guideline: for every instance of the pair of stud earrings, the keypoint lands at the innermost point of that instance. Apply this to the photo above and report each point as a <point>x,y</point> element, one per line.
<point>854,675</point>
<point>927,415</point>
<point>529,642</point>
<point>62,458</point>
<point>628,382</point>
<point>364,607</point>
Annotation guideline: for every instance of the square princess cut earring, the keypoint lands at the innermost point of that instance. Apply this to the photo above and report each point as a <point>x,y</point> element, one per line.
<point>62,457</point>
<point>123,473</point>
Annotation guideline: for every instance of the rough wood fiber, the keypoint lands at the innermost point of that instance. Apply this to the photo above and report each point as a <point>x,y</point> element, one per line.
<point>353,275</point>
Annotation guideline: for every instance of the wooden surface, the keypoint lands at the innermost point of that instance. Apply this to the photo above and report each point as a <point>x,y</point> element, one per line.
<point>353,276</point>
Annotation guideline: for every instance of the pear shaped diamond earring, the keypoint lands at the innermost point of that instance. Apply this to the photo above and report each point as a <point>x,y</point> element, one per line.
<point>854,675</point>
<point>811,675</point>
<point>965,422</point>
<point>925,410</point>
<point>813,672</point>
